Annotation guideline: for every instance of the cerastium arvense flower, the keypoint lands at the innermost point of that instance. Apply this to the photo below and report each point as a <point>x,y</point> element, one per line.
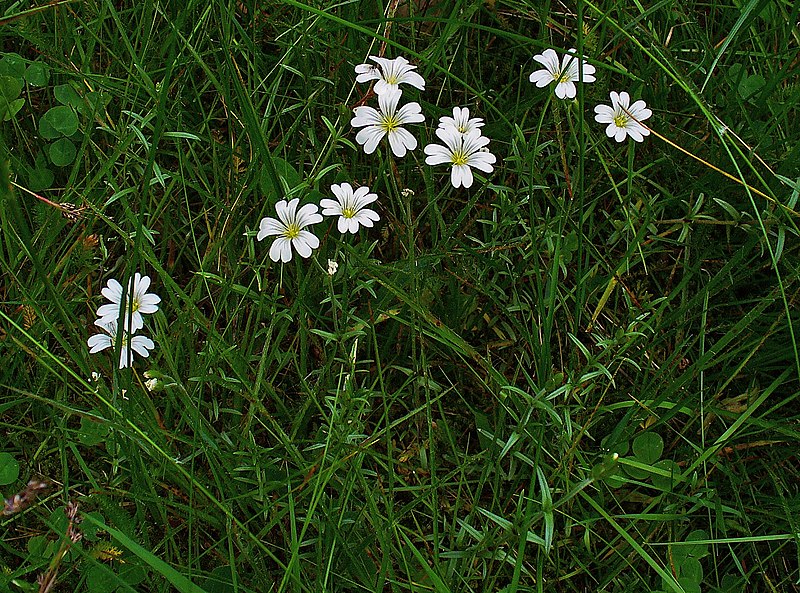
<point>125,310</point>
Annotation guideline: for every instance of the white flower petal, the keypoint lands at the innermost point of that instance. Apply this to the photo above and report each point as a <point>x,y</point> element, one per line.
<point>639,110</point>
<point>113,292</point>
<point>461,175</point>
<point>365,116</point>
<point>269,227</point>
<point>330,207</point>
<point>414,79</point>
<point>635,133</point>
<point>124,357</point>
<point>99,342</point>
<point>483,161</point>
<point>401,140</point>
<point>285,210</point>
<point>307,215</point>
<point>367,217</point>
<point>142,345</point>
<point>342,191</point>
<point>410,113</point>
<point>387,102</point>
<point>541,77</point>
<point>549,59</point>
<point>367,72</point>
<point>281,250</point>
<point>566,90</point>
<point>603,114</point>
<point>362,198</point>
<point>140,283</point>
<point>370,137</point>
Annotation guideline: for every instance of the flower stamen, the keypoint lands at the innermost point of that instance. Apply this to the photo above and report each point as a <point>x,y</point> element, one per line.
<point>459,158</point>
<point>292,231</point>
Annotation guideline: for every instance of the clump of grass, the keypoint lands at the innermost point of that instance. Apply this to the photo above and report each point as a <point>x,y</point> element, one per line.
<point>580,373</point>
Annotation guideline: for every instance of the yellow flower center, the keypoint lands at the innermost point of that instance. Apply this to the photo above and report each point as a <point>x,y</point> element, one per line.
<point>459,158</point>
<point>292,231</point>
<point>391,79</point>
<point>562,77</point>
<point>390,123</point>
<point>621,120</point>
<point>348,212</point>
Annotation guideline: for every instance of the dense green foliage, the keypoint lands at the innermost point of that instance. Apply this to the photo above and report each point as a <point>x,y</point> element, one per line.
<point>446,411</point>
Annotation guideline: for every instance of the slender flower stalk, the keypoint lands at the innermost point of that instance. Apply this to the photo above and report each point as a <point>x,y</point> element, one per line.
<point>388,120</point>
<point>289,230</point>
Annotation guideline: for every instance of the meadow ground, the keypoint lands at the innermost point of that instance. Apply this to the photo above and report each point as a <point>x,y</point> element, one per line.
<point>568,366</point>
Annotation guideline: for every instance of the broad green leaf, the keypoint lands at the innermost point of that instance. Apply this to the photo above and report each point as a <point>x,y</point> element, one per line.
<point>62,152</point>
<point>40,178</point>
<point>37,546</point>
<point>92,433</point>
<point>37,74</point>
<point>132,574</point>
<point>697,550</point>
<point>10,88</point>
<point>691,569</point>
<point>67,95</point>
<point>58,121</point>
<point>90,530</point>
<point>689,585</point>
<point>666,483</point>
<point>750,85</point>
<point>12,65</point>
<point>647,447</point>
<point>13,108</point>
<point>9,469</point>
<point>101,579</point>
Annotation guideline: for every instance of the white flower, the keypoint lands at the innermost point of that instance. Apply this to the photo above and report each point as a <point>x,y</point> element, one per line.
<point>623,118</point>
<point>564,75</point>
<point>333,266</point>
<point>461,121</point>
<point>143,302</point>
<point>349,207</point>
<point>391,74</point>
<point>139,344</point>
<point>289,230</point>
<point>462,151</point>
<point>387,121</point>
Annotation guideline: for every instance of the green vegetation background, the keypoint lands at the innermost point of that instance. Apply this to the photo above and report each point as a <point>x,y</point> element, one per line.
<point>442,414</point>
